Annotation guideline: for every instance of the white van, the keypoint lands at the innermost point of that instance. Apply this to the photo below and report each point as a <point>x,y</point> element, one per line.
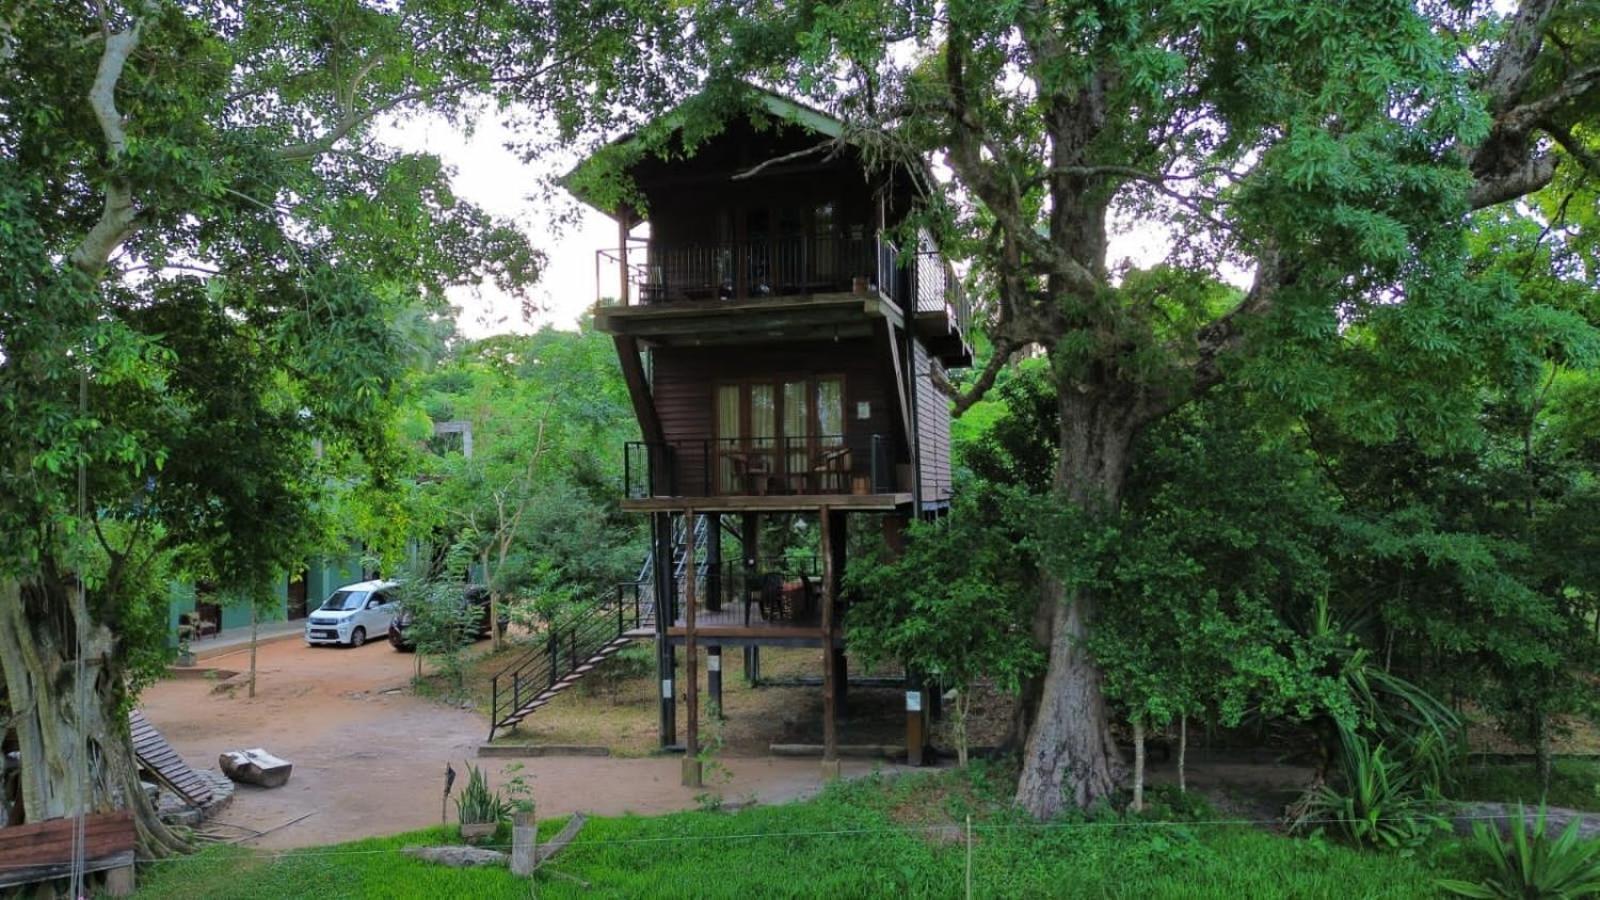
<point>353,614</point>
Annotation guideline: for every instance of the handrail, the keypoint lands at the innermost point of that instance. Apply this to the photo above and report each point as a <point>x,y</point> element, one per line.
<point>739,467</point>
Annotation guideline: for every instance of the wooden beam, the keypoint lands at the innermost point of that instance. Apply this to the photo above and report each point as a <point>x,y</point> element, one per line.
<point>644,404</point>
<point>691,663</point>
<point>775,503</point>
<point>903,396</point>
<point>830,735</point>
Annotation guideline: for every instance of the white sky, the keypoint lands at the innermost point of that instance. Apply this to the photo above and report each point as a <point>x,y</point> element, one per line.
<point>489,175</point>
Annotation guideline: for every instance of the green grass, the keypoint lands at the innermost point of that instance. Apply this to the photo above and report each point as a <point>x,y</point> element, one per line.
<point>874,838</point>
<point>1574,784</point>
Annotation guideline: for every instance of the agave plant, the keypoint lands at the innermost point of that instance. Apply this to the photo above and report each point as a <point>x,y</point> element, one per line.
<point>1530,864</point>
<point>1378,804</point>
<point>476,804</point>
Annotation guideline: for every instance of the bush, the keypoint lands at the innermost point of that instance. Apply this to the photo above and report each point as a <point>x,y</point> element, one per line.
<point>1379,805</point>
<point>476,804</point>
<point>1531,865</point>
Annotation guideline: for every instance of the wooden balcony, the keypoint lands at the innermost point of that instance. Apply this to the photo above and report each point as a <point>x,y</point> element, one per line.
<point>791,288</point>
<point>774,474</point>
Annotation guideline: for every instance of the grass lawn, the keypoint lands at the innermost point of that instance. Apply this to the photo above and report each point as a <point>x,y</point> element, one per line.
<point>1574,784</point>
<point>872,838</point>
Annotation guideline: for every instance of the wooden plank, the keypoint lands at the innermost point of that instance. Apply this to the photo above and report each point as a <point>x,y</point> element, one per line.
<point>164,763</point>
<point>51,842</point>
<point>30,874</point>
<point>644,407</point>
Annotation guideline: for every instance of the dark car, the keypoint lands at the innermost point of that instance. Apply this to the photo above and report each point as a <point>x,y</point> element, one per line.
<point>475,596</point>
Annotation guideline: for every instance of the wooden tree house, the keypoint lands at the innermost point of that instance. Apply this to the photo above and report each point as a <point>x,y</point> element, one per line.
<point>781,350</point>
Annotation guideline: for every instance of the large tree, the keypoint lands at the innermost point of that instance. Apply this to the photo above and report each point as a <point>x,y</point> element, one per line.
<point>1328,152</point>
<point>207,251</point>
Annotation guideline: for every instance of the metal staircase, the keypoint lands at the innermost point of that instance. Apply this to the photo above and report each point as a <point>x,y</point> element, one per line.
<point>575,644</point>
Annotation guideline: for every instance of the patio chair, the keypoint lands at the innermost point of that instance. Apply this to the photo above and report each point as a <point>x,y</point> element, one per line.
<point>831,470</point>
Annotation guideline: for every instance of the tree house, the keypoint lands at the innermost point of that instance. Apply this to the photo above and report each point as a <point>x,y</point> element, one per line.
<point>782,331</point>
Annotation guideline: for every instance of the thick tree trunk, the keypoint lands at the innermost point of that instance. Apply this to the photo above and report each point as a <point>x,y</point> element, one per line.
<point>1070,755</point>
<point>75,756</point>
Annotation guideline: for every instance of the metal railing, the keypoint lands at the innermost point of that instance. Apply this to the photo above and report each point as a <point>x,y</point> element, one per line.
<point>744,467</point>
<point>559,649</point>
<point>666,272</point>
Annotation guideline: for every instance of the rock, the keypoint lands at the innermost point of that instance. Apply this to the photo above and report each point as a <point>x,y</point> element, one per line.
<point>457,857</point>
<point>257,767</point>
<point>1499,816</point>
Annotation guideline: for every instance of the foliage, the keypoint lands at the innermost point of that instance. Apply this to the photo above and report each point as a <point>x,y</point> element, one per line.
<point>1378,803</point>
<point>440,623</point>
<point>519,793</point>
<point>1574,784</point>
<point>885,855</point>
<point>1529,863</point>
<point>954,605</point>
<point>476,804</point>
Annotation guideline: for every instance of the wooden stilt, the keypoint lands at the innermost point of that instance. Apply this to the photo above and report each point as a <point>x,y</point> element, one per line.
<point>691,757</point>
<point>666,663</point>
<point>830,727</point>
<point>714,680</point>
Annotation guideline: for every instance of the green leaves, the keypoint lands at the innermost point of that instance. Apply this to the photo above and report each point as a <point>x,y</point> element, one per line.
<point>1528,863</point>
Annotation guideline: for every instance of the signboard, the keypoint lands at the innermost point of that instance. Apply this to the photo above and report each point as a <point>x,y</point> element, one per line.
<point>913,701</point>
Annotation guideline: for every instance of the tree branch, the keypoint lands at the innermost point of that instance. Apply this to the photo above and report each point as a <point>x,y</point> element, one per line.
<point>831,146</point>
<point>117,218</point>
<point>963,401</point>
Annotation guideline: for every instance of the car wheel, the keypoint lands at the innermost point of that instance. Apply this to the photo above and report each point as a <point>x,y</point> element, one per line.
<point>358,637</point>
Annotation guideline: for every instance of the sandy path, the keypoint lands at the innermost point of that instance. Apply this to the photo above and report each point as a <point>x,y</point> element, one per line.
<point>369,758</point>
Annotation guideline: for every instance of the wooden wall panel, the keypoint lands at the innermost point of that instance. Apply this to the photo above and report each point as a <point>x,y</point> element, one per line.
<point>933,425</point>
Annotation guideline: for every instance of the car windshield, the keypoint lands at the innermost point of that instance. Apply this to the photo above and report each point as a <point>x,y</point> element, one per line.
<point>340,601</point>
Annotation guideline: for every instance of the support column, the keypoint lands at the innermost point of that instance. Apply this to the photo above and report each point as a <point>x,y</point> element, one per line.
<point>666,663</point>
<point>916,720</point>
<point>836,547</point>
<point>714,681</point>
<point>714,561</point>
<point>830,725</point>
<point>750,551</point>
<point>692,775</point>
<point>752,666</point>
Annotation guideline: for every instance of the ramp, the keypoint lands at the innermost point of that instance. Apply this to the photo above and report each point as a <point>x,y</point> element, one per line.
<point>158,758</point>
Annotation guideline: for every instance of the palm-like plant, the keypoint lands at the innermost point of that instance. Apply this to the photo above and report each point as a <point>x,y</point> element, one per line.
<point>1378,804</point>
<point>1528,863</point>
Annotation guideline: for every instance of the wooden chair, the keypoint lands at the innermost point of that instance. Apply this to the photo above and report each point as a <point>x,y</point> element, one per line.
<point>831,470</point>
<point>753,471</point>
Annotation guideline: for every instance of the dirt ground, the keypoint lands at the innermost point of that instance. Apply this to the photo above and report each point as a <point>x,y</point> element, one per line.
<point>369,756</point>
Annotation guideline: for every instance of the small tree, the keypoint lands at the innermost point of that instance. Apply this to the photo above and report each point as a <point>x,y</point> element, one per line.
<point>439,623</point>
<point>953,605</point>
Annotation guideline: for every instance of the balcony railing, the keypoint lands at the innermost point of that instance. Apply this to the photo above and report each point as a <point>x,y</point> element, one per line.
<point>666,272</point>
<point>746,467</point>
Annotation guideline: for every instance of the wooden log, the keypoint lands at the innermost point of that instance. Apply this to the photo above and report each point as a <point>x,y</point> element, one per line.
<point>255,766</point>
<point>524,840</point>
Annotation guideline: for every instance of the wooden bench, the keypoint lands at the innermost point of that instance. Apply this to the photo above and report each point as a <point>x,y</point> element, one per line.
<point>41,851</point>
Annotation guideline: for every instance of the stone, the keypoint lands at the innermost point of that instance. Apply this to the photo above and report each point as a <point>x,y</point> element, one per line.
<point>457,857</point>
<point>255,766</point>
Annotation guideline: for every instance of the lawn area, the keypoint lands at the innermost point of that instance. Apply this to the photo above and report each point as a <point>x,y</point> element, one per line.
<point>876,837</point>
<point>1574,784</point>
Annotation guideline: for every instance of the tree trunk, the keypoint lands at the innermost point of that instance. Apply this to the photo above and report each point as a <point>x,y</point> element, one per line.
<point>76,757</point>
<point>959,726</point>
<point>1070,754</point>
<point>1183,750</point>
<point>1138,764</point>
<point>254,634</point>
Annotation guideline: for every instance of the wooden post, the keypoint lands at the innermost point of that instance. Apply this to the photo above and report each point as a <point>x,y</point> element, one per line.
<point>916,722</point>
<point>624,215</point>
<point>714,561</point>
<point>830,727</point>
<point>253,636</point>
<point>524,839</point>
<point>692,776</point>
<point>838,534</point>
<point>666,663</point>
<point>714,680</point>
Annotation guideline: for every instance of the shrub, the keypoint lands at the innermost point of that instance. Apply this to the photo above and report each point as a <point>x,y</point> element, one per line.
<point>1379,804</point>
<point>1529,864</point>
<point>476,804</point>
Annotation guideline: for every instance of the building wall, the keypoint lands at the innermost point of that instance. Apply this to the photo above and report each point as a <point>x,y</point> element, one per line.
<point>933,425</point>
<point>323,576</point>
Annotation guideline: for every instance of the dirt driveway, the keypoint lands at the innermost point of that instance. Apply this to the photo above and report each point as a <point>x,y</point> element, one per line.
<point>369,757</point>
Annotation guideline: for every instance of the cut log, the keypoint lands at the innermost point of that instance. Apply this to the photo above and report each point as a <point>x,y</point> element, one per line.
<point>457,857</point>
<point>255,766</point>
